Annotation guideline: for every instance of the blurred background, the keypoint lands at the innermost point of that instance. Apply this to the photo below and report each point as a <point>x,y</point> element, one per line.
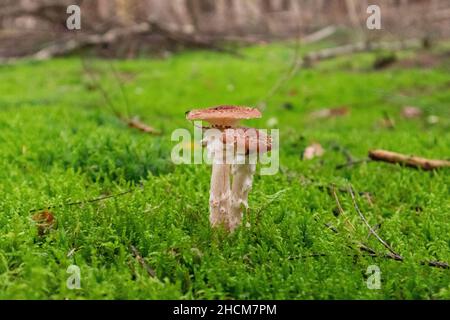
<point>131,28</point>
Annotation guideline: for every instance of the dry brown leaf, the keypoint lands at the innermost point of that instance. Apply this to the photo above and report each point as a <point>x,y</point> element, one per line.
<point>45,221</point>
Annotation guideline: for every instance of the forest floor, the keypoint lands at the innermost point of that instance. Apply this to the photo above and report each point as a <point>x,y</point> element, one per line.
<point>62,146</point>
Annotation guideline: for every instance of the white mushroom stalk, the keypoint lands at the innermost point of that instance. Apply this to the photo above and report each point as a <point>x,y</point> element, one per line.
<point>242,184</point>
<point>219,198</point>
<point>248,143</point>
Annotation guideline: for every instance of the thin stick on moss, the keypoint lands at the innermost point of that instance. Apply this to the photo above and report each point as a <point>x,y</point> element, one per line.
<point>407,160</point>
<point>363,218</point>
<point>437,264</point>
<point>372,253</point>
<point>138,256</point>
<point>133,123</point>
<point>352,163</point>
<point>79,203</point>
<point>341,210</point>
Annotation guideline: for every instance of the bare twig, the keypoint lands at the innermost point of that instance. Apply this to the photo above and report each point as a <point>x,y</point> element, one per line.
<point>341,210</point>
<point>295,66</point>
<point>98,86</point>
<point>363,218</point>
<point>352,163</point>
<point>377,226</point>
<point>350,159</point>
<point>372,253</point>
<point>328,186</point>
<point>437,264</point>
<point>331,227</point>
<point>134,123</point>
<point>76,203</point>
<point>410,161</point>
<point>319,35</point>
<point>361,47</point>
<point>122,90</point>
<point>81,41</point>
<point>142,262</point>
<point>274,197</point>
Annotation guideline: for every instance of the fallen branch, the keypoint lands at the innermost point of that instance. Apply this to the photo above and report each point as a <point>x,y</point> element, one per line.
<point>192,40</point>
<point>109,37</point>
<point>361,47</point>
<point>410,161</point>
<point>81,41</point>
<point>319,35</point>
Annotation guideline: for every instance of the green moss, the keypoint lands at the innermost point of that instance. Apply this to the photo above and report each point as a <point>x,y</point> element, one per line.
<point>60,143</point>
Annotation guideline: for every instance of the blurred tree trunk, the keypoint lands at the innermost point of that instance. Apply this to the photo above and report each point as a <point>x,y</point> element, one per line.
<point>215,19</point>
<point>193,11</point>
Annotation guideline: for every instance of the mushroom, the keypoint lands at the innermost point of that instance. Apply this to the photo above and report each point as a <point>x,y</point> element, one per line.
<point>248,142</point>
<point>221,118</point>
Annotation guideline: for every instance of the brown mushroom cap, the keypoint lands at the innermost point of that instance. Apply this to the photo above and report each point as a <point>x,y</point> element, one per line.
<point>249,140</point>
<point>223,116</point>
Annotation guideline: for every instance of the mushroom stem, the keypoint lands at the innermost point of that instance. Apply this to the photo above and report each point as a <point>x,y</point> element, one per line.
<point>219,199</point>
<point>242,184</point>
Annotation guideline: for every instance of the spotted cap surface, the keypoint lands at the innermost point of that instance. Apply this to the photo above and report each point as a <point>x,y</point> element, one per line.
<point>223,115</point>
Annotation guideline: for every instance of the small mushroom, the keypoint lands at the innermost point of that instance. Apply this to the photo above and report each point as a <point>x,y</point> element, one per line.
<point>221,118</point>
<point>248,143</point>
